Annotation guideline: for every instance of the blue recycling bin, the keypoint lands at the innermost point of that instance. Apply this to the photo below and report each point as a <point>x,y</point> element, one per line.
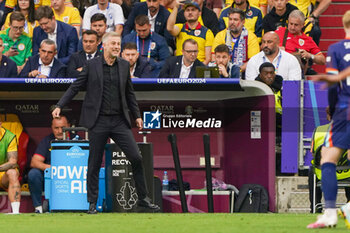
<point>65,181</point>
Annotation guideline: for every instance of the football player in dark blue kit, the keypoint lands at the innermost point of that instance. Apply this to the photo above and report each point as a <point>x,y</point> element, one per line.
<point>338,136</point>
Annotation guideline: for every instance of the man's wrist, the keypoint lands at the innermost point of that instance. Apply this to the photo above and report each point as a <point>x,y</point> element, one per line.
<point>313,16</point>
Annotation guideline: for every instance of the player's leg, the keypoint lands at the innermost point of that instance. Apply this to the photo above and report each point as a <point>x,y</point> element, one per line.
<point>345,209</point>
<point>10,181</point>
<point>329,159</point>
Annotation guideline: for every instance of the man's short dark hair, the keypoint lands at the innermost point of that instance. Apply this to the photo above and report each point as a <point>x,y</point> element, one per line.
<point>222,49</point>
<point>98,17</point>
<point>237,11</point>
<point>192,41</point>
<point>266,64</point>
<point>130,45</point>
<point>90,32</point>
<point>44,12</point>
<point>17,16</point>
<point>142,20</point>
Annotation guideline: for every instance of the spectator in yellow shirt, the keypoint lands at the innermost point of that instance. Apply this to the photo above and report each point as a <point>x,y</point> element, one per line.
<point>66,14</point>
<point>192,29</point>
<point>243,44</point>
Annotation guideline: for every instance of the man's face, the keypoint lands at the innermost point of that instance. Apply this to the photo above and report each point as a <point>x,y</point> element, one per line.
<point>235,24</point>
<point>280,4</point>
<point>57,125</point>
<point>190,52</point>
<point>131,55</point>
<point>222,58</point>
<point>191,14</point>
<point>268,75</point>
<point>47,53</point>
<point>112,46</point>
<point>295,26</point>
<point>143,31</point>
<point>153,6</point>
<point>17,28</point>
<point>57,4</point>
<point>269,44</point>
<point>100,27</point>
<point>48,25</point>
<point>90,43</point>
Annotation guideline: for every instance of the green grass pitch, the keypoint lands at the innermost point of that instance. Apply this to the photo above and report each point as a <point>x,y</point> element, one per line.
<point>162,223</point>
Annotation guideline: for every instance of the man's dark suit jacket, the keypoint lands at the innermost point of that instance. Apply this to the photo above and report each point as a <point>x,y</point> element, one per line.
<point>160,23</point>
<point>8,68</point>
<point>58,69</point>
<point>143,68</point>
<point>77,60</point>
<point>67,41</point>
<point>172,68</point>
<point>91,80</point>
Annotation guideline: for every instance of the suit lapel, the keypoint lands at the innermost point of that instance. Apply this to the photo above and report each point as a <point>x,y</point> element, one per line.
<point>120,71</point>
<point>58,37</point>
<point>99,70</point>
<point>178,67</point>
<point>53,71</point>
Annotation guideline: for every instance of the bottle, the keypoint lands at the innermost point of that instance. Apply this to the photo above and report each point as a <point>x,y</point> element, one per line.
<point>165,183</point>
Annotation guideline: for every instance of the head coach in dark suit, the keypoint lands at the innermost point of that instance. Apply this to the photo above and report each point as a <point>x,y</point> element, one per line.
<point>109,96</point>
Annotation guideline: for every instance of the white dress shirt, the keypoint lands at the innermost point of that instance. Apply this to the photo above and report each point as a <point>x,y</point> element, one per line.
<point>185,70</point>
<point>152,20</point>
<point>285,64</point>
<point>53,35</point>
<point>45,70</point>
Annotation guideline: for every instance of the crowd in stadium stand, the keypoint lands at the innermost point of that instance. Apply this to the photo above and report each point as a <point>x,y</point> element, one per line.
<point>55,38</point>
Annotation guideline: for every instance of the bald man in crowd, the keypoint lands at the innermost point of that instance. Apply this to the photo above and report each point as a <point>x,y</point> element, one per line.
<point>285,63</point>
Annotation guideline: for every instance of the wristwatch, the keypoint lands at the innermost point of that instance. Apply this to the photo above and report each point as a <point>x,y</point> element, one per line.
<point>312,57</point>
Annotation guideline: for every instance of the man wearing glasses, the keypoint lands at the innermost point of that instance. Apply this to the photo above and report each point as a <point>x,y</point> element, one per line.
<point>17,45</point>
<point>183,66</point>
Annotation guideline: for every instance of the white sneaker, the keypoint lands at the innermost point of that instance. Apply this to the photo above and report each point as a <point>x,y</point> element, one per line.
<point>344,212</point>
<point>323,221</point>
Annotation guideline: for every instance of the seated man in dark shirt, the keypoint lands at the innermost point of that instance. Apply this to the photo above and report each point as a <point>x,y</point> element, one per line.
<point>268,76</point>
<point>183,66</point>
<point>222,60</point>
<point>44,64</point>
<point>42,160</point>
<point>139,66</point>
<point>80,58</point>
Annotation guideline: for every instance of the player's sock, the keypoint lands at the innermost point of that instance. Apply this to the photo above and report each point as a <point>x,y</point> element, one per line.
<point>15,207</point>
<point>329,185</point>
<point>331,212</point>
<point>39,209</point>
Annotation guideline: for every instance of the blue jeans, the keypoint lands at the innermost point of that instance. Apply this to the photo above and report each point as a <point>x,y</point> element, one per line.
<point>36,185</point>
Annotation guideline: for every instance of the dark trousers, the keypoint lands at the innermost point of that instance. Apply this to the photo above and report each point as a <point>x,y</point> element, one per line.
<point>36,185</point>
<point>114,127</point>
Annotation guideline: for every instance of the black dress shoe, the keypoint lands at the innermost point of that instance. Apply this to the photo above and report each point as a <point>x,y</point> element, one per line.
<point>147,204</point>
<point>92,208</point>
